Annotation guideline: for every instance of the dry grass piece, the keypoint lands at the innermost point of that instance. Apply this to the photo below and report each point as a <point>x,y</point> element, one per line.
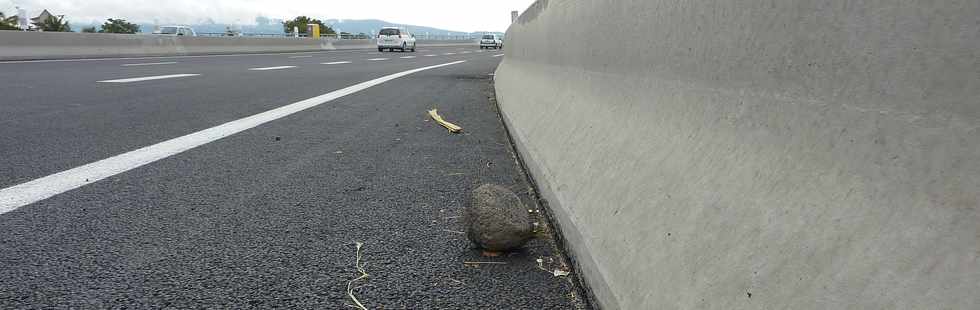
<point>453,128</point>
<point>350,284</point>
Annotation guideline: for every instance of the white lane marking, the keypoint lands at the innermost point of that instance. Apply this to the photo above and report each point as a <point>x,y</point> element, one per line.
<point>480,51</point>
<point>148,78</point>
<point>498,55</point>
<point>377,59</point>
<point>304,56</point>
<point>407,57</point>
<point>449,54</point>
<point>466,52</point>
<point>430,55</point>
<point>46,187</point>
<point>335,63</point>
<point>272,68</point>
<point>150,64</point>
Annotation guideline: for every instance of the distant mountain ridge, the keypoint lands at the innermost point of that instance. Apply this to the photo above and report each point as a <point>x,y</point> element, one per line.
<point>371,26</point>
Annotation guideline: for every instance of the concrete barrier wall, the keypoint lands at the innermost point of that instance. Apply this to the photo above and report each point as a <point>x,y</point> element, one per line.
<point>17,45</point>
<point>756,154</point>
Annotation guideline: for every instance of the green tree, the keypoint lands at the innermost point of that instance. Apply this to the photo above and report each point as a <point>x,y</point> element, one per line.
<point>301,22</point>
<point>119,26</point>
<point>54,24</point>
<point>89,29</point>
<point>8,23</point>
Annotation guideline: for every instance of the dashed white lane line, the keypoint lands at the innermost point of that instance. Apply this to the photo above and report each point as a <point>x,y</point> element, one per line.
<point>150,64</point>
<point>447,54</point>
<point>335,63</point>
<point>377,59</point>
<point>304,56</point>
<point>165,57</point>
<point>430,55</point>
<point>407,57</point>
<point>272,68</point>
<point>498,55</point>
<point>466,52</point>
<point>148,78</point>
<point>39,189</point>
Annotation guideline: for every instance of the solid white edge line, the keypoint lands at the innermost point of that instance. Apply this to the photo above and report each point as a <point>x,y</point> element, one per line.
<point>272,68</point>
<point>149,64</point>
<point>148,78</point>
<point>36,190</point>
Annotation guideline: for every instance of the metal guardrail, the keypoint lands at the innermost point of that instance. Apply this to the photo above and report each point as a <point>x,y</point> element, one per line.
<point>261,35</point>
<point>335,36</point>
<point>447,37</point>
<point>332,36</point>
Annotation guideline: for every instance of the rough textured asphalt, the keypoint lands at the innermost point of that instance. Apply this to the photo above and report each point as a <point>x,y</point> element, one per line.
<point>252,221</point>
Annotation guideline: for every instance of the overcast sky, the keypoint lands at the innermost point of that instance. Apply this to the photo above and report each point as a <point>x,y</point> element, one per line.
<point>457,15</point>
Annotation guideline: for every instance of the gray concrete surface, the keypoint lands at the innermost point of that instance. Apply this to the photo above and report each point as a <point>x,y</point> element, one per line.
<point>19,45</point>
<point>265,218</point>
<point>756,154</point>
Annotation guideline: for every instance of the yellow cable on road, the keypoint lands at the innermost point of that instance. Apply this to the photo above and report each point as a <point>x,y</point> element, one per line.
<point>453,128</point>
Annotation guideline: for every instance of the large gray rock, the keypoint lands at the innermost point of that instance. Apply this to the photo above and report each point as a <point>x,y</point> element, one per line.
<point>496,219</point>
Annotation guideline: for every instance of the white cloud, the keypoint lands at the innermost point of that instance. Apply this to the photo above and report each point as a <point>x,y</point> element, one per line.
<point>460,15</point>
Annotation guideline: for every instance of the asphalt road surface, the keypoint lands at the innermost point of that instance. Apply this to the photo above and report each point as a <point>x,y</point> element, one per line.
<point>244,181</point>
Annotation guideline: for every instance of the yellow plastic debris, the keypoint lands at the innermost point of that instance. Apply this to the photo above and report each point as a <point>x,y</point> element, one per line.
<point>453,128</point>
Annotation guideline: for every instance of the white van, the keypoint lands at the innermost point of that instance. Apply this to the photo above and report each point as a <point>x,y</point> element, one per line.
<point>393,38</point>
<point>491,41</point>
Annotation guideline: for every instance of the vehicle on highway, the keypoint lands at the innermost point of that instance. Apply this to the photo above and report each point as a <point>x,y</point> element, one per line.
<point>176,31</point>
<point>392,38</point>
<point>491,41</point>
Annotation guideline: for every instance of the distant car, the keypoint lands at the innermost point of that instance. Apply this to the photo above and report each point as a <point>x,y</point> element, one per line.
<point>176,31</point>
<point>491,41</point>
<point>393,38</point>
